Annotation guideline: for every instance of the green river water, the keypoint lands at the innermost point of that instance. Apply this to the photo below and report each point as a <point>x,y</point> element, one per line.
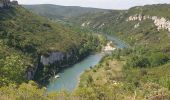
<point>69,77</point>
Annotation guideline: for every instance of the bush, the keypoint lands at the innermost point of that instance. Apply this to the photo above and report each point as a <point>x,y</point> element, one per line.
<point>107,68</point>
<point>136,61</point>
<point>89,79</point>
<point>94,70</point>
<point>157,59</point>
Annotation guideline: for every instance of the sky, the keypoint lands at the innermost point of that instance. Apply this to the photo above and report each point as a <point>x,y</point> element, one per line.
<point>106,4</point>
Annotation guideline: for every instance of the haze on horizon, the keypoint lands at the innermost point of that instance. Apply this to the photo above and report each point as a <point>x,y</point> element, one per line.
<point>106,4</point>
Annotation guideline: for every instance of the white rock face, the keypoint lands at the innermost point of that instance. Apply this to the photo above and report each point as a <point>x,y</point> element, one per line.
<point>101,25</point>
<point>85,24</point>
<point>161,23</point>
<point>137,25</point>
<point>88,23</point>
<point>52,58</point>
<point>109,47</point>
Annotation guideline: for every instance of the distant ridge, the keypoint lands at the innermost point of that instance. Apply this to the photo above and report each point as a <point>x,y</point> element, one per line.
<point>57,12</point>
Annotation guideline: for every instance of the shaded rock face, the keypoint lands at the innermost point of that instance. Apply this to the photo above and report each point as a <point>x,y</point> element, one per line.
<point>14,3</point>
<point>30,72</point>
<point>8,3</point>
<point>48,59</point>
<point>1,4</point>
<point>160,22</point>
<point>53,57</point>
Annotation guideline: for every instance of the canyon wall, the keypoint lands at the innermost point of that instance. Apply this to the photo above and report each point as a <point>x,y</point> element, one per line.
<point>45,60</point>
<point>160,22</point>
<point>53,57</point>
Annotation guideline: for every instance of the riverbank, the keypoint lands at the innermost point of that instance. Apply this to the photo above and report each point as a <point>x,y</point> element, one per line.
<point>69,77</point>
<point>109,47</point>
<point>109,71</point>
<point>52,62</point>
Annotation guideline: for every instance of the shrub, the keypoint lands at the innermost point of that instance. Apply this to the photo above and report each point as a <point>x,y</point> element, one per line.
<point>157,59</point>
<point>136,61</point>
<point>107,68</point>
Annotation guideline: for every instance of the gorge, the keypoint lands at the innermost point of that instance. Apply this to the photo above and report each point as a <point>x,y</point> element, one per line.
<point>75,53</point>
<point>69,77</point>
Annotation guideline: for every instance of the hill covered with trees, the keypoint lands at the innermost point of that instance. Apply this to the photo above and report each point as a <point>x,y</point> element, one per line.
<point>61,13</point>
<point>139,72</point>
<point>142,70</point>
<point>25,37</point>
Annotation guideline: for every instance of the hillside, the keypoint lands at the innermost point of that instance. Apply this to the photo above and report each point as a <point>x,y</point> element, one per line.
<point>140,72</point>
<point>56,12</point>
<point>28,41</point>
<point>143,24</point>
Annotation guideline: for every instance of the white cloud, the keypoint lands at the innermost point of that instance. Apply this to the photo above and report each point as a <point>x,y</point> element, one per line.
<point>111,4</point>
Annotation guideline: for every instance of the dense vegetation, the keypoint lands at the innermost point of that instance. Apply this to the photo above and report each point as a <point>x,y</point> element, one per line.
<point>61,13</point>
<point>113,79</point>
<point>25,36</point>
<point>145,72</point>
<point>109,80</point>
<point>140,72</point>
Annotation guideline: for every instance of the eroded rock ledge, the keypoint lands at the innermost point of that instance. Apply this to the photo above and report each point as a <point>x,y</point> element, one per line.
<point>53,57</point>
<point>160,22</point>
<point>45,60</point>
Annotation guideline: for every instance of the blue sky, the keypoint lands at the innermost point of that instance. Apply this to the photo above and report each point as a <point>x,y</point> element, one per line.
<point>107,4</point>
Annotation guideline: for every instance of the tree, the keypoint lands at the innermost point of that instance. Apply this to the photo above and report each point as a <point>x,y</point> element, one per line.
<point>157,59</point>
<point>89,79</point>
<point>13,69</point>
<point>138,61</point>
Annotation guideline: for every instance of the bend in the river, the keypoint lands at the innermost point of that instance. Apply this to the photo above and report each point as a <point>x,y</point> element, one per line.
<point>69,77</point>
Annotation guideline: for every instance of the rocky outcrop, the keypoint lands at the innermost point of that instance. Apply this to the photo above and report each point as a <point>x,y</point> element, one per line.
<point>101,25</point>
<point>7,3</point>
<point>4,3</point>
<point>85,24</point>
<point>30,73</point>
<point>1,4</point>
<point>14,3</point>
<point>137,25</point>
<point>160,22</point>
<point>53,57</point>
<point>93,25</point>
<point>47,59</point>
<point>109,47</point>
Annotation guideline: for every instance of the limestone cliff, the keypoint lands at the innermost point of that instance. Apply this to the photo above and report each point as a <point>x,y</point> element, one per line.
<point>8,3</point>
<point>45,60</point>
<point>53,57</point>
<point>160,22</point>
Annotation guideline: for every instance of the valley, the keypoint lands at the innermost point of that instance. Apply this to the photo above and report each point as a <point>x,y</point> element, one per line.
<point>69,77</point>
<point>77,53</point>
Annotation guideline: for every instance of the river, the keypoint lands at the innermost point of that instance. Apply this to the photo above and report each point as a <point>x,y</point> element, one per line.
<point>69,77</point>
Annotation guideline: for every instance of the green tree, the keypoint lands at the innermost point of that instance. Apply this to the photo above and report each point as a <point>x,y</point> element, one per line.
<point>13,69</point>
<point>157,59</point>
<point>138,61</point>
